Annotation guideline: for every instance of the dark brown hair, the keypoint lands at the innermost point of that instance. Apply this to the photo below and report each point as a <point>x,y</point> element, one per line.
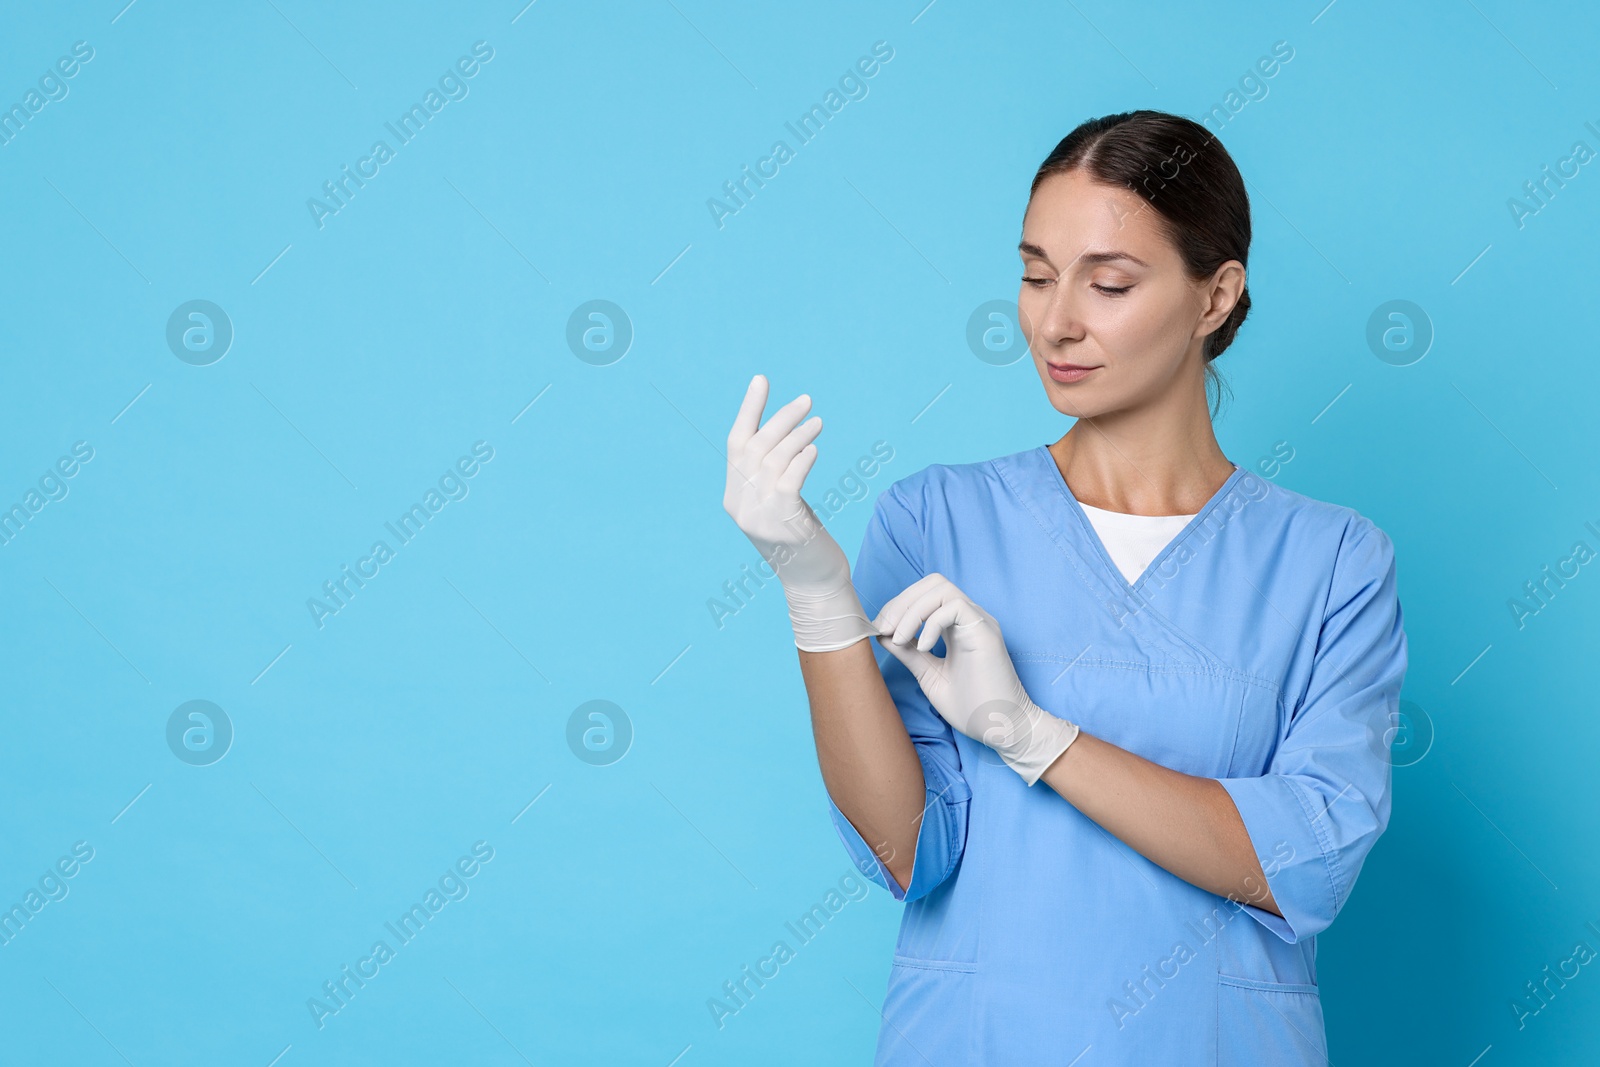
<point>1184,173</point>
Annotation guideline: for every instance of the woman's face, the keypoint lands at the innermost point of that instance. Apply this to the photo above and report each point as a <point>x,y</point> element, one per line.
<point>1103,288</point>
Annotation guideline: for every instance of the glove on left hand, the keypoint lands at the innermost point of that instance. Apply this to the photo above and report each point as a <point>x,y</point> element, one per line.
<point>974,686</point>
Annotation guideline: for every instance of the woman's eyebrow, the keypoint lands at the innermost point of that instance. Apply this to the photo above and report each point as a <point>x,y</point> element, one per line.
<point>1091,258</point>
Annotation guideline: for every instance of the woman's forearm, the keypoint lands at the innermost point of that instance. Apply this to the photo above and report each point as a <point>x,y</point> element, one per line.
<point>868,762</point>
<point>1183,823</point>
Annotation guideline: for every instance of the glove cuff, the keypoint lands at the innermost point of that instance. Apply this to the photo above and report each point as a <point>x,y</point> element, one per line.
<point>828,618</point>
<point>1048,737</point>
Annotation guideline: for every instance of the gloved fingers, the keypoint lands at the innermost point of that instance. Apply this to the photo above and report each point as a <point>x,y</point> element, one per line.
<point>953,611</point>
<point>917,612</point>
<point>777,461</point>
<point>748,451</point>
<point>794,475</point>
<point>759,459</point>
<point>749,417</point>
<point>891,613</point>
<point>740,486</point>
<point>896,612</point>
<point>777,428</point>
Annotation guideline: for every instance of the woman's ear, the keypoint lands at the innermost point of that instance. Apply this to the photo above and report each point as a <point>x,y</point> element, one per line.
<point>1224,290</point>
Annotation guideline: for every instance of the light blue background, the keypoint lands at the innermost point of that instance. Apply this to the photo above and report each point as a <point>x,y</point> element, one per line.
<point>428,313</point>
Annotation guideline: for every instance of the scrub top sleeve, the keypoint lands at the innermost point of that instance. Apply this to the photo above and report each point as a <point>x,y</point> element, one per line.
<point>891,558</point>
<point>1316,813</point>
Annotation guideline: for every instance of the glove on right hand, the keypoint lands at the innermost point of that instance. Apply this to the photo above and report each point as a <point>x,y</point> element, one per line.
<point>766,469</point>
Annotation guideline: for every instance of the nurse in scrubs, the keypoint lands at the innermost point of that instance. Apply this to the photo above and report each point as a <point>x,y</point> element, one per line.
<point>1111,715</point>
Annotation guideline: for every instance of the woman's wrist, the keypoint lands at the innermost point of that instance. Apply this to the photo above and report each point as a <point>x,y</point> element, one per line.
<point>1037,742</point>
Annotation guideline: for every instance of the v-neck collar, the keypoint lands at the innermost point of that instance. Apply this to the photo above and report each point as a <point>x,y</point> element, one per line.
<point>1086,530</point>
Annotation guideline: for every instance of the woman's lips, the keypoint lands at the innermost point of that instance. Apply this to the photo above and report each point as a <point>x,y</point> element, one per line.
<point>1069,372</point>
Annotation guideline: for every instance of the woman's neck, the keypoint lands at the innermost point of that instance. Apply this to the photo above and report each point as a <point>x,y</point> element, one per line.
<point>1171,469</point>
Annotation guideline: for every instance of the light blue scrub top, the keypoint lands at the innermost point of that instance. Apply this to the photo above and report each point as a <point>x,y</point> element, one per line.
<point>1263,647</point>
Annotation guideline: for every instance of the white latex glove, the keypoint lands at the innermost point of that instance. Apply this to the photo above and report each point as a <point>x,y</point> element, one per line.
<point>766,469</point>
<point>974,687</point>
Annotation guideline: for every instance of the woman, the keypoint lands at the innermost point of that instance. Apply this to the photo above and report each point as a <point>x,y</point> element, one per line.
<point>1200,666</point>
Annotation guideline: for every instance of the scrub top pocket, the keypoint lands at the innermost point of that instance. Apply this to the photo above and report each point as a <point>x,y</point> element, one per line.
<point>936,930</point>
<point>1262,1022</point>
<point>937,1005</point>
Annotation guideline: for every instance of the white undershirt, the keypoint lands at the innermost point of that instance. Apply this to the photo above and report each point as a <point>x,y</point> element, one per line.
<point>1133,541</point>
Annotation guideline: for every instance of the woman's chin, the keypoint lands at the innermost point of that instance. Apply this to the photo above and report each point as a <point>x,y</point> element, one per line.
<point>1076,402</point>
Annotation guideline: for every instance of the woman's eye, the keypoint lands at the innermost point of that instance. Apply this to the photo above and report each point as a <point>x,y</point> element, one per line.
<point>1109,291</point>
<point>1037,282</point>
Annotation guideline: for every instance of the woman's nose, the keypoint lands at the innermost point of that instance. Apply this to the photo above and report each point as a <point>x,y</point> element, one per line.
<point>1058,318</point>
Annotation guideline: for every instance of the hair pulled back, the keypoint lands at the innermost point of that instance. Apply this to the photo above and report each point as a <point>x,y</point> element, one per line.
<point>1182,171</point>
